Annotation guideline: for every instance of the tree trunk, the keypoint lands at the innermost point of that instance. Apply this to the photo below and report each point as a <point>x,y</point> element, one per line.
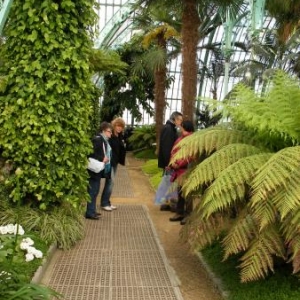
<point>160,79</point>
<point>190,39</point>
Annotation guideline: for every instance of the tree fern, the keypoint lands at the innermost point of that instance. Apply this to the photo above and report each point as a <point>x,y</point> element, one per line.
<point>232,184</point>
<point>211,167</point>
<point>277,112</point>
<point>280,172</point>
<point>209,140</point>
<point>201,233</point>
<point>240,234</point>
<point>260,180</point>
<point>258,260</point>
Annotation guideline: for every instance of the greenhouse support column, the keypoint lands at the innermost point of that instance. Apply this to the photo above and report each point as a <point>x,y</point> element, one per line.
<point>257,14</point>
<point>4,10</point>
<point>227,50</point>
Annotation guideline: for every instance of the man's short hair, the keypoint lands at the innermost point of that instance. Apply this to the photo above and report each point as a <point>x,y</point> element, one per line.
<point>175,115</point>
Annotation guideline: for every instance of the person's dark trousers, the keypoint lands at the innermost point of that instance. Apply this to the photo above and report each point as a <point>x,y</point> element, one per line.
<point>180,208</point>
<point>93,190</point>
<point>108,187</point>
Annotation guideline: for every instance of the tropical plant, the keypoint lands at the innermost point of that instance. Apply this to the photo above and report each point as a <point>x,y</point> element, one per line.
<point>248,179</point>
<point>142,137</point>
<point>160,32</point>
<point>129,91</point>
<point>46,106</point>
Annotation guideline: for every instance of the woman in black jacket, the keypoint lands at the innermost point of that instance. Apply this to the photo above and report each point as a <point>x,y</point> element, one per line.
<point>101,152</point>
<point>118,157</point>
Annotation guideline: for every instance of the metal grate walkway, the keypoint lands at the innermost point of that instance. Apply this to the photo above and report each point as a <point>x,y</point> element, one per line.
<point>119,259</point>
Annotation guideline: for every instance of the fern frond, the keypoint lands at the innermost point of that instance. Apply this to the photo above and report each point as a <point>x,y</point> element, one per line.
<point>240,235</point>
<point>277,113</point>
<point>199,232</point>
<point>208,170</point>
<point>209,140</point>
<point>275,174</point>
<point>231,184</point>
<point>258,260</point>
<point>265,213</point>
<point>287,200</point>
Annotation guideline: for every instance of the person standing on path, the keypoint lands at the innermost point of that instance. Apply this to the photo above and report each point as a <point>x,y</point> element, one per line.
<point>101,152</point>
<point>178,168</point>
<point>167,139</point>
<point>118,149</point>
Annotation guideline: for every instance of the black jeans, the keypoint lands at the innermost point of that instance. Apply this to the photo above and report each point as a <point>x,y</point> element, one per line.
<point>183,207</point>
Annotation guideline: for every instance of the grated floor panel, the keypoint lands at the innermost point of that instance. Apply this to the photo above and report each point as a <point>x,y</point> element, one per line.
<point>122,186</point>
<point>120,258</point>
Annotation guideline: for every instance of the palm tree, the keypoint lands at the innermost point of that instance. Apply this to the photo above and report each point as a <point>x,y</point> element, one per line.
<point>159,28</point>
<point>247,177</point>
<point>191,14</point>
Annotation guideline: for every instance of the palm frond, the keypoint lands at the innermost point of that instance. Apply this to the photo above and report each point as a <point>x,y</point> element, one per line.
<point>258,260</point>
<point>232,184</point>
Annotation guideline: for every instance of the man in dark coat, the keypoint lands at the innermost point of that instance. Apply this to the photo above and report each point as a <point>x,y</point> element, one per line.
<point>167,138</point>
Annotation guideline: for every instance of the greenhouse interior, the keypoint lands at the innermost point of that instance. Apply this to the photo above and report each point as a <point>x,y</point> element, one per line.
<point>150,149</point>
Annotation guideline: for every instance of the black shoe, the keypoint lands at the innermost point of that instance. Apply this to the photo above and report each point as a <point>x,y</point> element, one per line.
<point>165,207</point>
<point>177,218</point>
<point>98,214</point>
<point>183,221</point>
<point>95,217</point>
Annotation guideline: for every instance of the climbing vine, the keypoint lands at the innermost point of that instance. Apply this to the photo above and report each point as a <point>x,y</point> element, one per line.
<point>46,105</point>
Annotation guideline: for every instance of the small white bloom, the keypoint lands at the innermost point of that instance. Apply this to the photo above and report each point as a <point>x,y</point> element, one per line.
<point>20,230</point>
<point>10,228</point>
<point>31,250</point>
<point>3,230</point>
<point>29,257</point>
<point>38,254</point>
<point>28,241</point>
<point>24,245</point>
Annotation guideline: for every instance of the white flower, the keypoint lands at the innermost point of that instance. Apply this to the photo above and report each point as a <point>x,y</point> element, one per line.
<point>31,250</point>
<point>10,228</point>
<point>29,257</point>
<point>28,241</point>
<point>20,230</point>
<point>38,254</point>
<point>24,245</point>
<point>3,230</point>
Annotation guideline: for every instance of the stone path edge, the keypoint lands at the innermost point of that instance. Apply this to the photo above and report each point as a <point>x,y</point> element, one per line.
<point>172,274</point>
<point>39,273</point>
<point>216,281</point>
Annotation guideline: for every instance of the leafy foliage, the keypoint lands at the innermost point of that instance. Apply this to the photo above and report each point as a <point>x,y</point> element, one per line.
<point>62,225</point>
<point>45,108</point>
<point>249,187</point>
<point>142,137</point>
<point>130,90</point>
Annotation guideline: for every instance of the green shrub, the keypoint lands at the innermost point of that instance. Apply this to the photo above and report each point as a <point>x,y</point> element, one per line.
<point>46,107</point>
<point>142,137</point>
<point>145,154</point>
<point>150,167</point>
